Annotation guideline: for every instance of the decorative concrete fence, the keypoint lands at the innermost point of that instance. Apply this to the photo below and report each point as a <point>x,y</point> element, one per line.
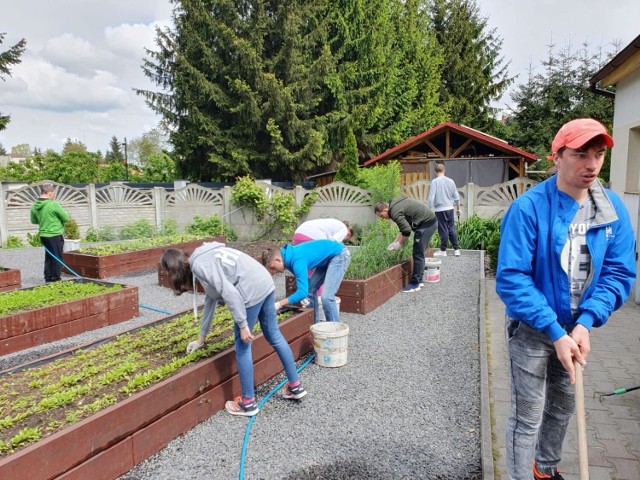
<point>118,204</point>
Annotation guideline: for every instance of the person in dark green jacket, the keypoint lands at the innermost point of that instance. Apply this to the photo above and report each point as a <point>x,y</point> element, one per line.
<point>411,216</point>
<point>50,217</point>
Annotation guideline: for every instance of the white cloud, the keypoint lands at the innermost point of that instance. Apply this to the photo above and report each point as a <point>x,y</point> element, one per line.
<point>38,84</point>
<point>130,40</point>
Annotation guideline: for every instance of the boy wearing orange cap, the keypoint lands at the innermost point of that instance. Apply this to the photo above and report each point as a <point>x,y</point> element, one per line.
<point>565,264</point>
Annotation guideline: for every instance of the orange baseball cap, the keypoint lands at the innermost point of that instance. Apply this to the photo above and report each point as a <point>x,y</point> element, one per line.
<point>576,133</point>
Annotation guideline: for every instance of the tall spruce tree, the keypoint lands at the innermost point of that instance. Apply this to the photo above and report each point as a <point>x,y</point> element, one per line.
<point>242,82</point>
<point>348,171</point>
<point>114,153</point>
<point>385,84</point>
<point>474,72</point>
<point>9,58</point>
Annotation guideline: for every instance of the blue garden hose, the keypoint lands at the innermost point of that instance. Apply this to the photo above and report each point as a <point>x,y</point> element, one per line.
<point>262,402</point>
<point>79,276</point>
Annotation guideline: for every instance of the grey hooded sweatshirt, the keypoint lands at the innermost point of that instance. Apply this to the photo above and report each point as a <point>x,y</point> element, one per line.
<point>231,276</point>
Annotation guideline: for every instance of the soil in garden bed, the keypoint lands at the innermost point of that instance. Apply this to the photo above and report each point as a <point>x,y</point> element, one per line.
<point>255,249</point>
<point>37,401</point>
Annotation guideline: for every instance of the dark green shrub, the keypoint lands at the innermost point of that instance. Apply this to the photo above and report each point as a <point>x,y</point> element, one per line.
<point>211,226</point>
<point>474,233</point>
<point>138,229</point>
<point>71,229</point>
<point>492,249</point>
<point>104,234</point>
<point>169,228</point>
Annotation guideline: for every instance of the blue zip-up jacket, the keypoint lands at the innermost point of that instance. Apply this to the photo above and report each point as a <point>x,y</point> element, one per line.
<point>530,279</point>
<point>301,258</point>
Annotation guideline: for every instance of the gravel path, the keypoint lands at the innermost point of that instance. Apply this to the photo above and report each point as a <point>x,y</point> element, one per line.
<point>406,405</point>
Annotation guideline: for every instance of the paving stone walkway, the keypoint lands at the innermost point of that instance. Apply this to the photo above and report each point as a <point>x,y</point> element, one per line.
<point>613,423</point>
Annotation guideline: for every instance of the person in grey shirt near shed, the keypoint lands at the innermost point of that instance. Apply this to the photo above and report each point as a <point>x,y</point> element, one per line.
<point>442,195</point>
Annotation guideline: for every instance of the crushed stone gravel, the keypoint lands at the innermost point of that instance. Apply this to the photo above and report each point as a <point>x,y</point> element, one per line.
<point>405,406</point>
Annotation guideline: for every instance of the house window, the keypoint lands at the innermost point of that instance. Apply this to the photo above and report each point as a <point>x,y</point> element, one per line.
<point>633,162</point>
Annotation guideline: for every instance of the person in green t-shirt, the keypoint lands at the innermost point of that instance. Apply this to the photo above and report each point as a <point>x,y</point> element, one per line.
<point>50,217</point>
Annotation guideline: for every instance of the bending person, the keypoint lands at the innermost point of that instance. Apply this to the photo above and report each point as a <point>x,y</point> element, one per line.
<point>327,258</point>
<point>247,289</point>
<point>323,229</point>
<point>410,215</point>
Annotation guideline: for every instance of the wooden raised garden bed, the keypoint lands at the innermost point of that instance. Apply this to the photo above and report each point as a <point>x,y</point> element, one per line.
<point>364,296</point>
<point>103,266</point>
<point>43,325</point>
<point>9,279</point>
<point>110,442</point>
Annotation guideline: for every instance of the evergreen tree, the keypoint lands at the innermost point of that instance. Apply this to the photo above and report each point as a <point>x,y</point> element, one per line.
<point>114,153</point>
<point>474,72</point>
<point>241,85</point>
<point>9,58</point>
<point>548,100</point>
<point>348,171</point>
<point>386,82</point>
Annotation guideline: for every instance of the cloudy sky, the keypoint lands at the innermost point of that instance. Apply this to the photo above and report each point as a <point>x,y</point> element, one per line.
<point>83,59</point>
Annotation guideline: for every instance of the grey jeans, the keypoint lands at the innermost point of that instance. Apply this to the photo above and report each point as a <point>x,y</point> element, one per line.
<point>542,401</point>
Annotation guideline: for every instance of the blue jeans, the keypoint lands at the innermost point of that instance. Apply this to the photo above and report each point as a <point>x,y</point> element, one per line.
<point>264,312</point>
<point>331,276</point>
<point>542,401</point>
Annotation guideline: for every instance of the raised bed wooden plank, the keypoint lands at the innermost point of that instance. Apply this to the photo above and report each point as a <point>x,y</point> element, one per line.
<point>189,397</point>
<point>10,279</point>
<point>103,266</point>
<point>364,296</point>
<point>43,325</point>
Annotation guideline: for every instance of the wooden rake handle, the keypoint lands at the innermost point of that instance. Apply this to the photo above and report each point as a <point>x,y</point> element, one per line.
<point>581,419</point>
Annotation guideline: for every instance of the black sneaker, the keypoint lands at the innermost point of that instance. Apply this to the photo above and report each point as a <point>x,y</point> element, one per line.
<point>545,476</point>
<point>293,393</point>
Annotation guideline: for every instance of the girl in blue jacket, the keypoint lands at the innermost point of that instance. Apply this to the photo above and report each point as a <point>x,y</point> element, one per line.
<point>327,258</point>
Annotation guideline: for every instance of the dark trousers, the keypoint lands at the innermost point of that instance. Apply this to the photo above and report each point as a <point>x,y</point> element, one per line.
<point>52,268</point>
<point>447,229</point>
<point>421,237</point>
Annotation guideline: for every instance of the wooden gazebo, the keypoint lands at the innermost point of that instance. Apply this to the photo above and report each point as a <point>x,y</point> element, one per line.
<point>469,155</point>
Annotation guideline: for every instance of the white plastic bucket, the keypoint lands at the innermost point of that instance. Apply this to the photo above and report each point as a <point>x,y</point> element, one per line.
<point>432,269</point>
<point>321,310</point>
<point>70,245</point>
<point>330,341</point>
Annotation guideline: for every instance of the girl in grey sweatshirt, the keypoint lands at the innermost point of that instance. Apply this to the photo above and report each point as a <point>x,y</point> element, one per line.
<point>246,287</point>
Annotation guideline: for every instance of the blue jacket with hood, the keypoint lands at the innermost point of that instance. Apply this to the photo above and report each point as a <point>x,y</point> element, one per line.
<point>530,279</point>
<point>301,258</point>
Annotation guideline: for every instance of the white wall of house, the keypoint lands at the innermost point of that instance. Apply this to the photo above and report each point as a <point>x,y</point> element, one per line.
<point>625,156</point>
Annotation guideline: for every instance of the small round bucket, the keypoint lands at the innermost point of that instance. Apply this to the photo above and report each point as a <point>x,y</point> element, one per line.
<point>432,269</point>
<point>330,342</point>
